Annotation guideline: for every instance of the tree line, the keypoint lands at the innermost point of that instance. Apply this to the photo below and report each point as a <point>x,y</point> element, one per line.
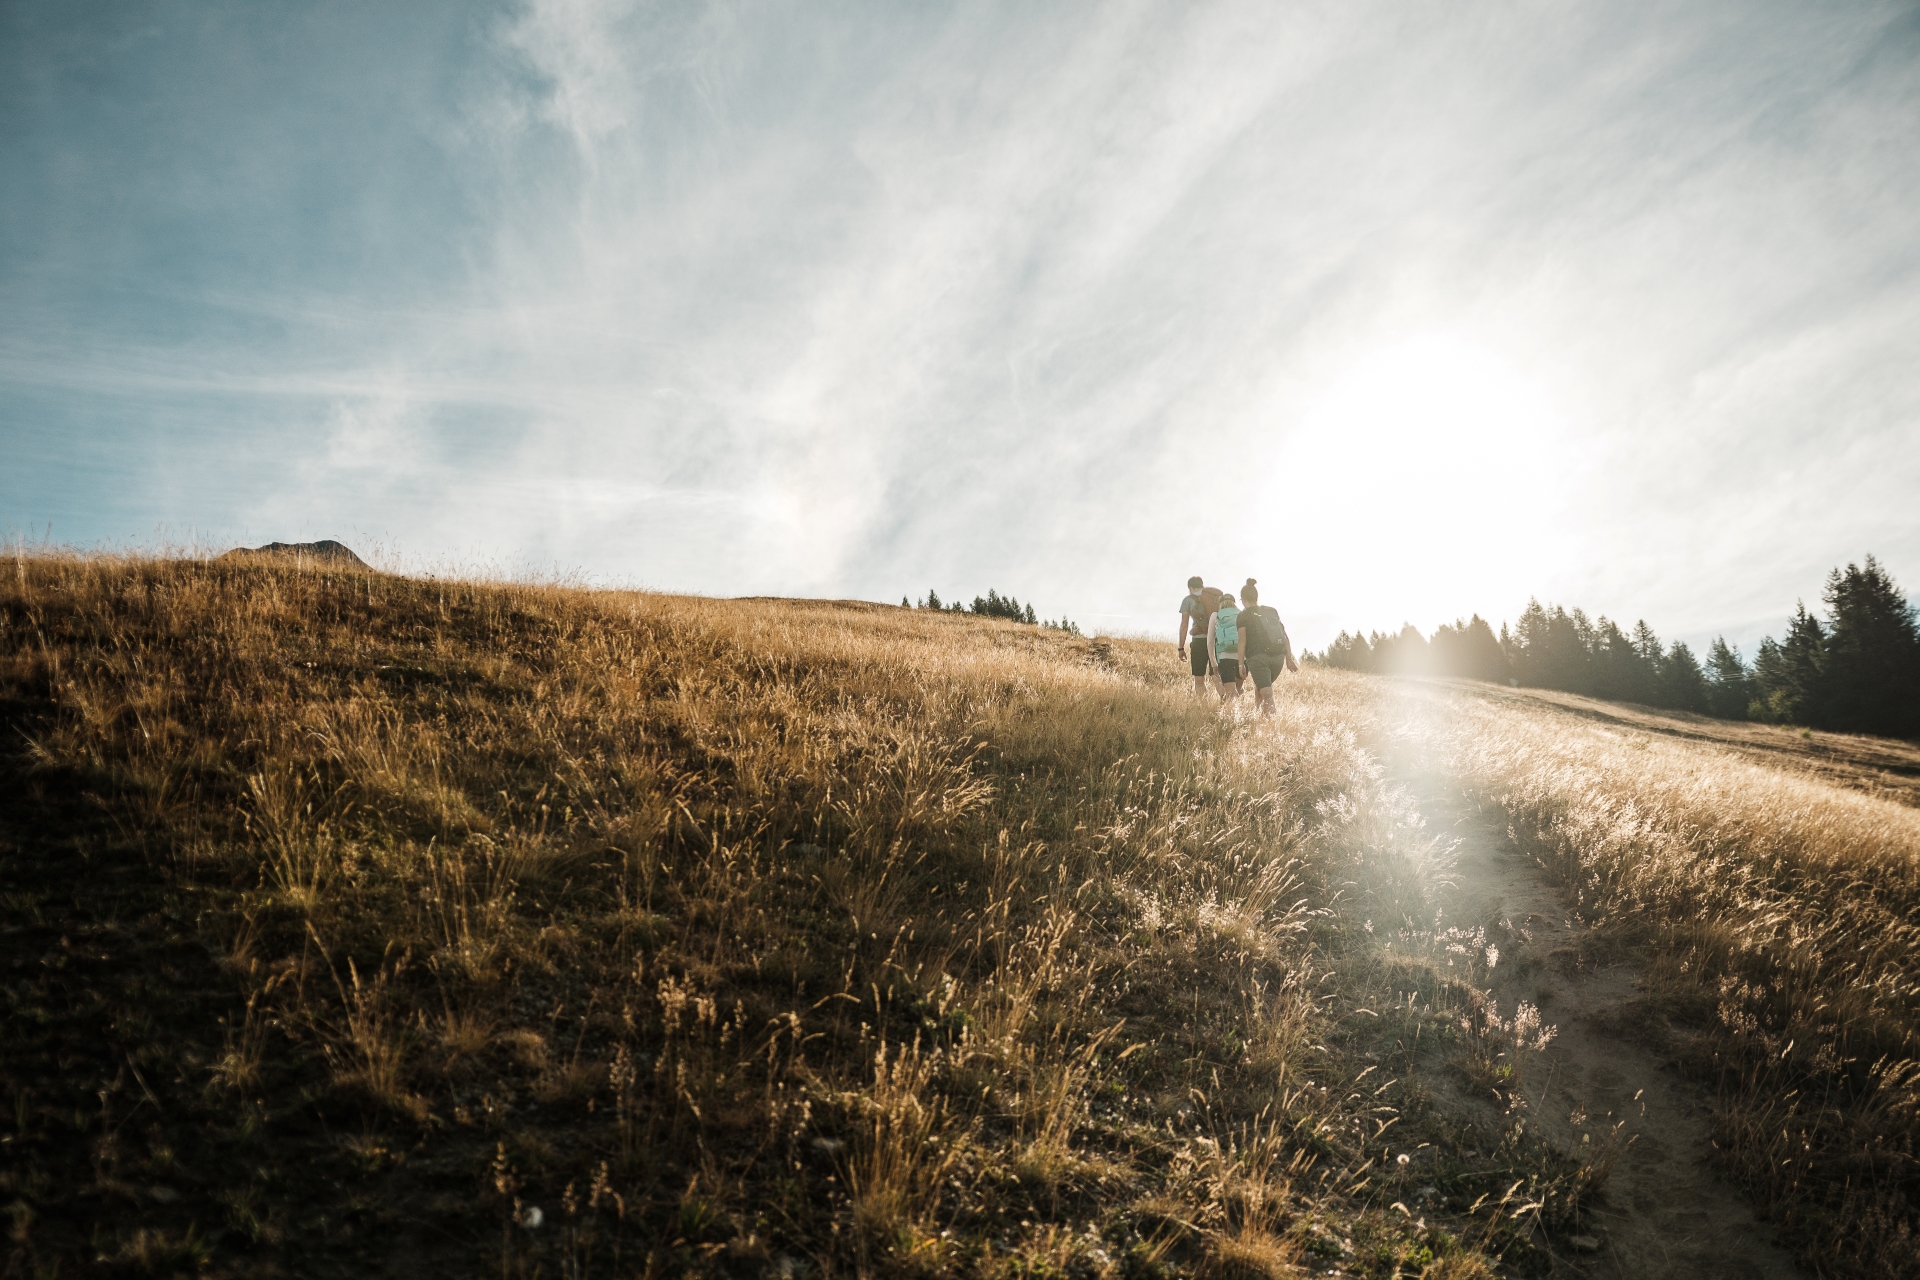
<point>1856,669</point>
<point>994,605</point>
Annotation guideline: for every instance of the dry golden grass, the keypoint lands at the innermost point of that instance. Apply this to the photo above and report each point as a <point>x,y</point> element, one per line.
<point>1771,886</point>
<point>365,923</point>
<point>1883,767</point>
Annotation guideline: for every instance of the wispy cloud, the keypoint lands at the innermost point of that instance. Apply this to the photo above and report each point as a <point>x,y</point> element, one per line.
<point>1405,312</point>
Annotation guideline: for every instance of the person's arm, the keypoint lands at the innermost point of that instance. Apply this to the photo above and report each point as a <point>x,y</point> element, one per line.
<point>1212,657</point>
<point>1286,649</point>
<point>1185,620</point>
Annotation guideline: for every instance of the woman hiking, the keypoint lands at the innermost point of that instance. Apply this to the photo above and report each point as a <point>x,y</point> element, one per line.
<point>1224,634</point>
<point>1263,648</point>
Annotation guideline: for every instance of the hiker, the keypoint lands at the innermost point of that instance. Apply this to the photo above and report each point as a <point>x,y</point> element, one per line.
<point>1195,613</point>
<point>1264,648</point>
<point>1223,630</point>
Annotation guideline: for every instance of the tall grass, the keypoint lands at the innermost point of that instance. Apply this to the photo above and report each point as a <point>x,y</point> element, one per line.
<point>584,932</point>
<point>1776,901</point>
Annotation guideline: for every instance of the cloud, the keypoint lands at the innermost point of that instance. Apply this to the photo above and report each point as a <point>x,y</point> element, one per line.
<point>1415,313</point>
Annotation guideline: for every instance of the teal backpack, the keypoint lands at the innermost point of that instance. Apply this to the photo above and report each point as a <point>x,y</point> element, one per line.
<point>1226,629</point>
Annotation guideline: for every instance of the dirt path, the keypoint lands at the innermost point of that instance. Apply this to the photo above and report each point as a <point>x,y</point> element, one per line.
<point>1663,1213</point>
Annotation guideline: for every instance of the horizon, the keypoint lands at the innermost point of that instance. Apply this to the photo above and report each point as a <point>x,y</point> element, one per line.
<point>382,561</point>
<point>1411,316</point>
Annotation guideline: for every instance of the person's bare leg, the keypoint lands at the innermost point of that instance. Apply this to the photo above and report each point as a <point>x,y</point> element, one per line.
<point>1263,699</point>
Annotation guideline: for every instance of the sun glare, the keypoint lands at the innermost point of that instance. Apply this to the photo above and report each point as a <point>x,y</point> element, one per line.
<point>1420,477</point>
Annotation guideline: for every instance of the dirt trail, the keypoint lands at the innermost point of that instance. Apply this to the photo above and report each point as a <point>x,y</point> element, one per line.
<point>1663,1213</point>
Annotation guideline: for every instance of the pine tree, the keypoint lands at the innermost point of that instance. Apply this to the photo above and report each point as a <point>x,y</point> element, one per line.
<point>1446,648</point>
<point>1618,672</point>
<point>1792,675</point>
<point>1349,653</point>
<point>1568,664</point>
<point>1683,686</point>
<point>1649,677</point>
<point>1527,649</point>
<point>1402,654</point>
<point>1385,652</point>
<point>1872,651</point>
<point>1483,657</point>
<point>1583,628</point>
<point>1467,649</point>
<point>995,605</point>
<point>1769,676</point>
<point>1729,687</point>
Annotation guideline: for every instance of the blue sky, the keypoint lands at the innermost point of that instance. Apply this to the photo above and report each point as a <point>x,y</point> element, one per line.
<point>1408,310</point>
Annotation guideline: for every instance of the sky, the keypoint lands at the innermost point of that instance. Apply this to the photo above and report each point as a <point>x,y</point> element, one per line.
<point>1409,311</point>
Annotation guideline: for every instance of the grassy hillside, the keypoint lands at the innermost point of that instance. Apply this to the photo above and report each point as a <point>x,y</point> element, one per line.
<point>355,923</point>
<point>1768,880</point>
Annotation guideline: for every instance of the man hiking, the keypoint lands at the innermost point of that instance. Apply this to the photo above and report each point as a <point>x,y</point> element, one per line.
<point>1195,612</point>
<point>1263,648</point>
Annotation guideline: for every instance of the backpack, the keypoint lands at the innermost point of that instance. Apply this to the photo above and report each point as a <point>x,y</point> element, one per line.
<point>1209,601</point>
<point>1266,635</point>
<point>1226,631</point>
<point>1255,628</point>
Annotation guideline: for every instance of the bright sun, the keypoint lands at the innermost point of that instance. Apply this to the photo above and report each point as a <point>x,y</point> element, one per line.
<point>1422,477</point>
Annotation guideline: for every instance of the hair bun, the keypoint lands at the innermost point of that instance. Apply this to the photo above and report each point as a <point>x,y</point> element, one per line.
<point>1253,582</point>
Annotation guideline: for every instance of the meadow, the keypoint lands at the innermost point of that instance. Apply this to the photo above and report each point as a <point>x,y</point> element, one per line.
<point>1767,881</point>
<point>357,923</point>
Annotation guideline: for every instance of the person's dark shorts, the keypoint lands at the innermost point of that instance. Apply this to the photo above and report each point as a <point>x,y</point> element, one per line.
<point>1229,671</point>
<point>1263,669</point>
<point>1197,651</point>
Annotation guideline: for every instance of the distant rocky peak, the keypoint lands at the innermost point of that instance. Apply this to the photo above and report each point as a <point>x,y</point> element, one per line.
<point>326,551</point>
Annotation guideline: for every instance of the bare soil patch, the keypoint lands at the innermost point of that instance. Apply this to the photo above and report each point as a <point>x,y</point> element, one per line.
<point>1662,1212</point>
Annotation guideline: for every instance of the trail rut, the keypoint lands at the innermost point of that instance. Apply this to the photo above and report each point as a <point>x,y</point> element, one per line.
<point>1663,1213</point>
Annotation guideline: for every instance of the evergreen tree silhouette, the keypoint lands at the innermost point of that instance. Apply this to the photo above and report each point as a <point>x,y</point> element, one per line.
<point>1682,685</point>
<point>1729,687</point>
<point>1872,654</point>
<point>1858,671</point>
<point>1649,677</point>
<point>1481,656</point>
<point>1530,648</point>
<point>1618,671</point>
<point>1568,646</point>
<point>1769,677</point>
<point>1792,674</point>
